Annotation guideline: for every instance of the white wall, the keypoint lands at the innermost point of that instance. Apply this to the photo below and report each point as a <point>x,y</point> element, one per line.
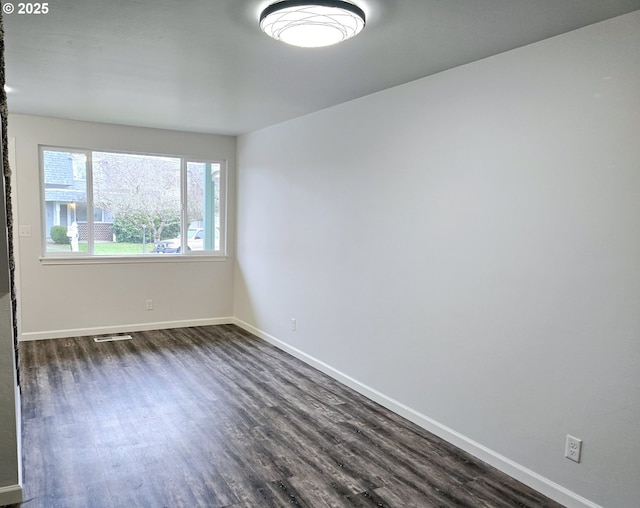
<point>69,300</point>
<point>468,245</point>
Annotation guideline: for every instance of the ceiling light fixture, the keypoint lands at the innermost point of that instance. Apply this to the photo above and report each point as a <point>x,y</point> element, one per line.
<point>312,24</point>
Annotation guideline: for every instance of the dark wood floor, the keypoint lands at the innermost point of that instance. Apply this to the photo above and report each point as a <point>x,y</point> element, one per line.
<point>214,417</point>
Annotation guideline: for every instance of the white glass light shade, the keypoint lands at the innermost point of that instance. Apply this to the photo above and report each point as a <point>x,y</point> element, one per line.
<point>312,24</point>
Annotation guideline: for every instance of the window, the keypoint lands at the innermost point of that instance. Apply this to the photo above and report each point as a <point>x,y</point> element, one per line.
<point>108,203</point>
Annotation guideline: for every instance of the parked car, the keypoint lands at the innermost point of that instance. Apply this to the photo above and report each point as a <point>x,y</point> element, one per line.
<point>195,239</point>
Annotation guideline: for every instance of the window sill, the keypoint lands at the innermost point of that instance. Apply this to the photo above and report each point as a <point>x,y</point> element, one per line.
<point>116,260</point>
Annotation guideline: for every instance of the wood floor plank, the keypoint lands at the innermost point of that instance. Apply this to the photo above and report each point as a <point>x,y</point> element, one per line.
<point>215,417</point>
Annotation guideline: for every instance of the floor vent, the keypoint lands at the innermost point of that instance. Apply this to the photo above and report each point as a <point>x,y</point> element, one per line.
<point>112,338</point>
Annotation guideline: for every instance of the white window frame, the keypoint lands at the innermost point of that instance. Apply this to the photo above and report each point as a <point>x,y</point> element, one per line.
<point>90,256</point>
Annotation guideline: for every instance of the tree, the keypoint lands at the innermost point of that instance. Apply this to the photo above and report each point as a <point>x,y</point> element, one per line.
<point>138,190</point>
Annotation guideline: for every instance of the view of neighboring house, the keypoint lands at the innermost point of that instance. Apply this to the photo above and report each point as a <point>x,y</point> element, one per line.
<point>65,191</point>
<point>133,198</point>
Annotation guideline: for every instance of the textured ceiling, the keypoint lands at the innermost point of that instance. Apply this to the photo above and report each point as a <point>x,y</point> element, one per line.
<point>205,66</point>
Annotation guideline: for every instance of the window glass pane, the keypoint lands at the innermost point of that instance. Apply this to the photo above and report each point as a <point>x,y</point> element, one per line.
<point>136,201</point>
<point>65,196</point>
<point>203,206</point>
<point>131,204</point>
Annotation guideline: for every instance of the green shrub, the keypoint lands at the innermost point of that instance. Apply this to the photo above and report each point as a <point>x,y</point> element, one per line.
<point>128,228</point>
<point>59,235</point>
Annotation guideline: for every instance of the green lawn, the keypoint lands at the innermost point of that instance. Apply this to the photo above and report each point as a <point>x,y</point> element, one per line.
<point>106,248</point>
<point>118,248</point>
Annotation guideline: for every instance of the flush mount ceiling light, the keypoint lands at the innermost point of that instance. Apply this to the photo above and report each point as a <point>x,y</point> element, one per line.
<point>312,24</point>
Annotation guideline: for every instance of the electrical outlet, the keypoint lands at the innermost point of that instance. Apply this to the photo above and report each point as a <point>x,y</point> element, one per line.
<point>149,304</point>
<point>293,324</point>
<point>573,448</point>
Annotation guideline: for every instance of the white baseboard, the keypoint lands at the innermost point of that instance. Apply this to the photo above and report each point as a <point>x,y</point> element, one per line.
<point>10,495</point>
<point>19,432</point>
<point>138,327</point>
<point>528,477</point>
